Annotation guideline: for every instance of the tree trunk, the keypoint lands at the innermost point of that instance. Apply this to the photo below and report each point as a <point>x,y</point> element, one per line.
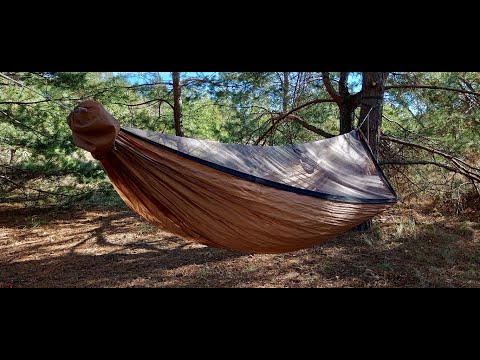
<point>12,156</point>
<point>347,106</point>
<point>286,87</point>
<point>373,91</point>
<point>347,111</point>
<point>285,102</point>
<point>177,103</point>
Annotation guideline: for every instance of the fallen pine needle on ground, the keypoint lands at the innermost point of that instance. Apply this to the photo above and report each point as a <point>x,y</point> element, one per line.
<point>107,247</point>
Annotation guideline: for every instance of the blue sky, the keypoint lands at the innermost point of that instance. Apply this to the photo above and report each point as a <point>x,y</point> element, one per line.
<point>143,77</point>
<point>354,78</point>
<point>355,81</point>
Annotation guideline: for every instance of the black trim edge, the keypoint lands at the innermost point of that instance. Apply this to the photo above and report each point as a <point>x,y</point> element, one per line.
<point>375,162</point>
<point>270,183</point>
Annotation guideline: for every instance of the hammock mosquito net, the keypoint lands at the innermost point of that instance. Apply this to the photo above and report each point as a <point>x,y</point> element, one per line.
<point>256,199</point>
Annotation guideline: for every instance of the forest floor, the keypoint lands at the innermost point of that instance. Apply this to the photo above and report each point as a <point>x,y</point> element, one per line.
<point>108,247</point>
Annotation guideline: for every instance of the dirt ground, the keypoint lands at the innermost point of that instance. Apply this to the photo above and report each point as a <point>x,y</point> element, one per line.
<point>105,247</point>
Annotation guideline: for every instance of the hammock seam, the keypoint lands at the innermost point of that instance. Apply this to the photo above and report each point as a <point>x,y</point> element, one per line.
<point>270,183</point>
<point>367,147</point>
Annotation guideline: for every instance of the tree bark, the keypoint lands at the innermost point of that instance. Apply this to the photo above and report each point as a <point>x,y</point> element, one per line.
<point>12,156</point>
<point>285,102</point>
<point>347,103</point>
<point>286,87</point>
<point>347,113</point>
<point>177,103</point>
<point>373,90</point>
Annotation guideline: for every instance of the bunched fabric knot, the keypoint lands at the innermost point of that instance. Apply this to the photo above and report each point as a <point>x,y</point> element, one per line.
<point>93,128</point>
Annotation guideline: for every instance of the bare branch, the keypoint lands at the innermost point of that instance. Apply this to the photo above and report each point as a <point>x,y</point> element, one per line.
<point>405,129</point>
<point>258,118</point>
<point>426,148</point>
<point>187,81</point>
<point>142,85</point>
<point>469,85</point>
<point>146,102</point>
<point>276,120</point>
<point>413,86</point>
<point>25,103</point>
<point>330,89</point>
<point>307,126</point>
<point>38,190</point>
<point>418,162</point>
<point>22,124</point>
<point>460,166</point>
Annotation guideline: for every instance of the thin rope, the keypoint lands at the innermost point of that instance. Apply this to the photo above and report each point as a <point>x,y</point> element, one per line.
<point>366,117</point>
<point>368,129</point>
<point>45,95</point>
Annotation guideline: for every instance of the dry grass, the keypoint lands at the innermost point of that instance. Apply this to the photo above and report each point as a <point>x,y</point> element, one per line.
<point>102,247</point>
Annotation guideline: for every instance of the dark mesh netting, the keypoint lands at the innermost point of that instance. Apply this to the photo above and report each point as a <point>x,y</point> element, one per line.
<point>338,168</point>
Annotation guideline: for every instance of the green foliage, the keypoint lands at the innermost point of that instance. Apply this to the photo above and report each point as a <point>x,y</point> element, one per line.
<point>36,148</point>
<point>446,117</point>
<point>440,119</point>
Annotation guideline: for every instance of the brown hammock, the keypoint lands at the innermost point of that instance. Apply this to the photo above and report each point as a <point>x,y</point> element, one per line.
<point>247,198</point>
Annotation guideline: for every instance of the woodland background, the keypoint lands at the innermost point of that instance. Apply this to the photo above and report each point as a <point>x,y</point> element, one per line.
<point>423,126</point>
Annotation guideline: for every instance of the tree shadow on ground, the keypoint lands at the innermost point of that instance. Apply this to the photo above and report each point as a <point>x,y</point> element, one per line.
<point>143,257</point>
<point>99,248</point>
<point>112,270</point>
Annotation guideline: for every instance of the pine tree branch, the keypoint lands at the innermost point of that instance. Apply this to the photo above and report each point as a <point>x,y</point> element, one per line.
<point>38,190</point>
<point>426,148</point>
<point>142,85</point>
<point>279,118</point>
<point>418,162</point>
<point>460,166</point>
<point>12,119</point>
<point>330,89</point>
<point>414,86</point>
<point>146,102</point>
<point>307,126</point>
<point>190,80</point>
<point>25,103</point>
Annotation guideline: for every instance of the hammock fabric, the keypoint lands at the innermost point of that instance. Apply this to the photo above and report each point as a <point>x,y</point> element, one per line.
<point>255,199</point>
